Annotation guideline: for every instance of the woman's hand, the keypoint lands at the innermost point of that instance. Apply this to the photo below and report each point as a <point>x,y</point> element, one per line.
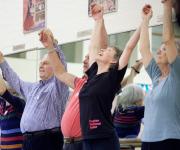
<point>147,12</point>
<point>97,11</point>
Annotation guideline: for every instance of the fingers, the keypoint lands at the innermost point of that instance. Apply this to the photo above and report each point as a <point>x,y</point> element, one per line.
<point>147,9</point>
<point>96,8</point>
<point>41,35</point>
<point>45,34</point>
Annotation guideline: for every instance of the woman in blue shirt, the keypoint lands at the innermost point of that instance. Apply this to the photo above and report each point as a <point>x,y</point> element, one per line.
<point>162,105</point>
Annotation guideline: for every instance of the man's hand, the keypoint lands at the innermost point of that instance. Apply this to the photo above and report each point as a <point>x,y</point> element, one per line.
<point>1,57</point>
<point>3,87</point>
<point>147,12</point>
<point>97,11</point>
<point>47,39</point>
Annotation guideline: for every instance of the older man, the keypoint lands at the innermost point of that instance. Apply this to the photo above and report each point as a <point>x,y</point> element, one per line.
<point>45,105</point>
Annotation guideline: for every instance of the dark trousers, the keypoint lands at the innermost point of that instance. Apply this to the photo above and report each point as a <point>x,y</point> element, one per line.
<point>127,132</point>
<point>170,144</point>
<point>111,143</point>
<point>43,141</point>
<point>73,146</point>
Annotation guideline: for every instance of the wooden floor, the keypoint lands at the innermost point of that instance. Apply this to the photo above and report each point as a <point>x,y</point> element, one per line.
<point>130,143</point>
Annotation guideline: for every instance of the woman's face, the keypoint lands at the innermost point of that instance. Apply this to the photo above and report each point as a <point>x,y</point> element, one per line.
<point>161,57</point>
<point>107,55</point>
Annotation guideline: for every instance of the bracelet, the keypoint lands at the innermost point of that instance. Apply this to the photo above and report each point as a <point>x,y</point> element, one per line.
<point>135,70</point>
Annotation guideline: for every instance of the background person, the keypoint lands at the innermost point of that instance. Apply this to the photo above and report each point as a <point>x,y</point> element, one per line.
<point>129,109</point>
<point>11,109</point>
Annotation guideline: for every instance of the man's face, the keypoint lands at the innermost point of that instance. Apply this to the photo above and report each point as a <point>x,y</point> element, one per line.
<point>45,68</point>
<point>86,63</point>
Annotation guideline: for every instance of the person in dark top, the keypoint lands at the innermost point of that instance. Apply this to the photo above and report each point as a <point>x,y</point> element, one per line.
<point>104,77</point>
<point>129,109</point>
<point>11,109</point>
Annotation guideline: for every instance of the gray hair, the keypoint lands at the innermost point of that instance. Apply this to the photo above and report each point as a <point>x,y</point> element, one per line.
<point>130,96</point>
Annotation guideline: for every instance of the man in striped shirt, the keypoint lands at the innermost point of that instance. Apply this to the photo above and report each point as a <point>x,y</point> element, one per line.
<point>45,104</point>
<point>11,109</point>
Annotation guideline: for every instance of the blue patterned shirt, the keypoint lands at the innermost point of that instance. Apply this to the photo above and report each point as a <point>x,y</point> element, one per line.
<point>46,99</point>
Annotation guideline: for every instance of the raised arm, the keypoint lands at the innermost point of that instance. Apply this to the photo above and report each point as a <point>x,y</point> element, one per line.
<point>13,79</point>
<point>47,39</point>
<point>168,33</point>
<point>99,38</point>
<point>131,44</point>
<point>135,69</point>
<point>144,44</point>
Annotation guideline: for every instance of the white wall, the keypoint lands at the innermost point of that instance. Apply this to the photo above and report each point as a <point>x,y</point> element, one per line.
<point>25,68</point>
<point>66,18</point>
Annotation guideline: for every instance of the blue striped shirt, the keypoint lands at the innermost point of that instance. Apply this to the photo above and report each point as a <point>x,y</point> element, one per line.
<point>46,99</point>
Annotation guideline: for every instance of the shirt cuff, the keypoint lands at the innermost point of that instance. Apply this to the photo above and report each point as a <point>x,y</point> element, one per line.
<point>6,94</point>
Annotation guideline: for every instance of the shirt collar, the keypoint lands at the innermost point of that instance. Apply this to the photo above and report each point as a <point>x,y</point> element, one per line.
<point>46,81</point>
